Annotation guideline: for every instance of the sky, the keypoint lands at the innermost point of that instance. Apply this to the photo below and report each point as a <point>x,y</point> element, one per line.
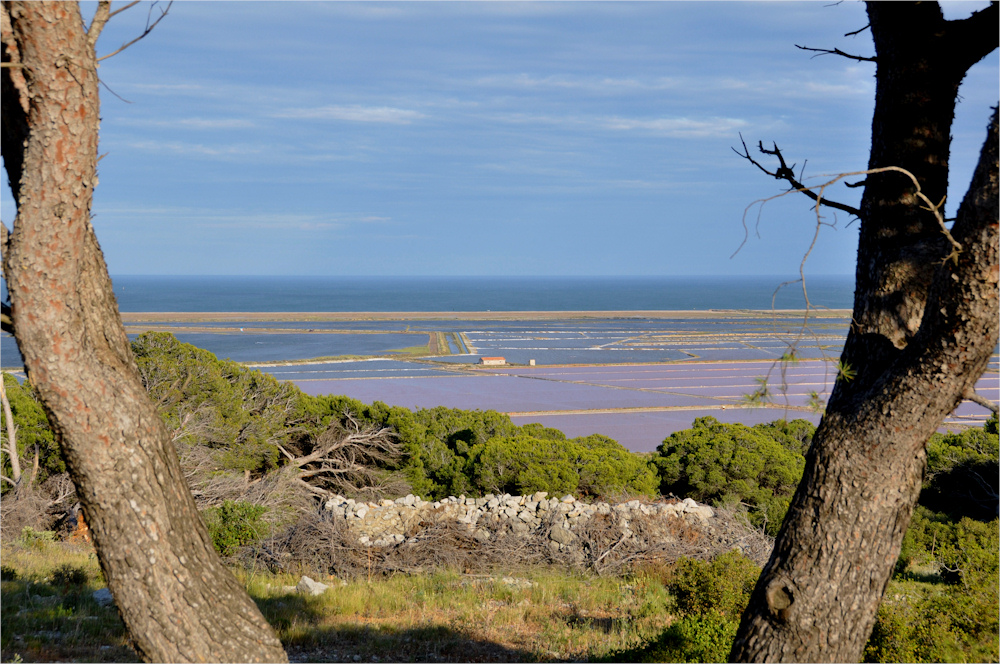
<point>485,138</point>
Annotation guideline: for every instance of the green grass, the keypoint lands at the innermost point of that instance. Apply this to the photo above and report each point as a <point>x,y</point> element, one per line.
<point>48,611</point>
<point>441,616</point>
<point>451,616</point>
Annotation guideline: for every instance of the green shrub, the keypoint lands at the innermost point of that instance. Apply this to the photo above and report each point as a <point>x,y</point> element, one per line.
<point>522,464</point>
<point>594,465</point>
<point>33,432</point>
<point>721,586</point>
<point>694,638</point>
<point>710,598</point>
<point>237,413</point>
<point>606,468</point>
<point>450,452</point>
<point>795,436</point>
<point>69,575</point>
<point>962,473</point>
<point>952,621</point>
<point>235,524</point>
<point>969,556</point>
<point>933,625</point>
<point>36,539</point>
<point>726,464</point>
<point>8,573</point>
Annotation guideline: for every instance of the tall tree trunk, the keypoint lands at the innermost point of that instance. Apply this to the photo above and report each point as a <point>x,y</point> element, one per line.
<point>177,599</point>
<point>925,324</point>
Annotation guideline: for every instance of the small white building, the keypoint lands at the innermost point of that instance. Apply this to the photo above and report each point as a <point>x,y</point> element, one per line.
<point>492,361</point>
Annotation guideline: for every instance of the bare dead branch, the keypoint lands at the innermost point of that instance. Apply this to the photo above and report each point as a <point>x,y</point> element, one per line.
<point>11,430</point>
<point>100,19</point>
<point>976,397</point>
<point>787,173</point>
<point>818,191</point>
<point>854,33</point>
<point>313,489</point>
<point>108,88</point>
<point>150,24</point>
<point>121,9</point>
<point>60,489</point>
<point>347,458</point>
<point>836,51</point>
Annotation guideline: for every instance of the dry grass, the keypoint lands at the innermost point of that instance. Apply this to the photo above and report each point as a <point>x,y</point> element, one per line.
<point>443,597</point>
<point>545,615</point>
<point>542,614</point>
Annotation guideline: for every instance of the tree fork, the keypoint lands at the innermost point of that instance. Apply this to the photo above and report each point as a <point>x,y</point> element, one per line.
<point>177,599</point>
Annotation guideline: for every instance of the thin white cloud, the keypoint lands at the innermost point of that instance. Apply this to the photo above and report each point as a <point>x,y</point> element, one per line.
<point>852,83</point>
<point>174,147</point>
<point>679,127</point>
<point>209,217</point>
<point>188,123</point>
<point>215,123</point>
<point>355,113</point>
<point>605,84</point>
<point>514,168</point>
<point>167,88</point>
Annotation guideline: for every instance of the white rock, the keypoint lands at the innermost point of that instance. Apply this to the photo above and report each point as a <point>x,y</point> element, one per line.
<point>307,586</point>
<point>562,536</point>
<point>703,512</point>
<point>517,582</point>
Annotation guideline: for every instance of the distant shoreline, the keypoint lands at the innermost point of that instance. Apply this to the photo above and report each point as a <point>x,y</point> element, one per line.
<point>304,316</point>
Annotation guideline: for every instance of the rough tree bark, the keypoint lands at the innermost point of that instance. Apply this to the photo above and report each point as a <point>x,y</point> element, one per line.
<point>177,599</point>
<point>925,323</point>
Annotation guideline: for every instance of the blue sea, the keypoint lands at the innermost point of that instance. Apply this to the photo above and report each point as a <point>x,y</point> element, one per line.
<point>149,293</point>
<point>255,294</point>
<point>444,294</point>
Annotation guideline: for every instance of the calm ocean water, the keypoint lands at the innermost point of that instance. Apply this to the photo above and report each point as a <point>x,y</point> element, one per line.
<point>292,294</point>
<point>149,293</point>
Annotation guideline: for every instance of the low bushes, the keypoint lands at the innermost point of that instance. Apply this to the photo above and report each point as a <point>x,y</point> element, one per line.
<point>451,452</point>
<point>594,465</point>
<point>728,464</point>
<point>235,524</point>
<point>710,597</point>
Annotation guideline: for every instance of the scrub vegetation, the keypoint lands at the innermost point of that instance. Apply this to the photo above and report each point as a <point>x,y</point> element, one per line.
<point>257,453</point>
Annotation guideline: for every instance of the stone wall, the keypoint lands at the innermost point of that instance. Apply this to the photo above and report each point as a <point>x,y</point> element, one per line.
<point>564,523</point>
